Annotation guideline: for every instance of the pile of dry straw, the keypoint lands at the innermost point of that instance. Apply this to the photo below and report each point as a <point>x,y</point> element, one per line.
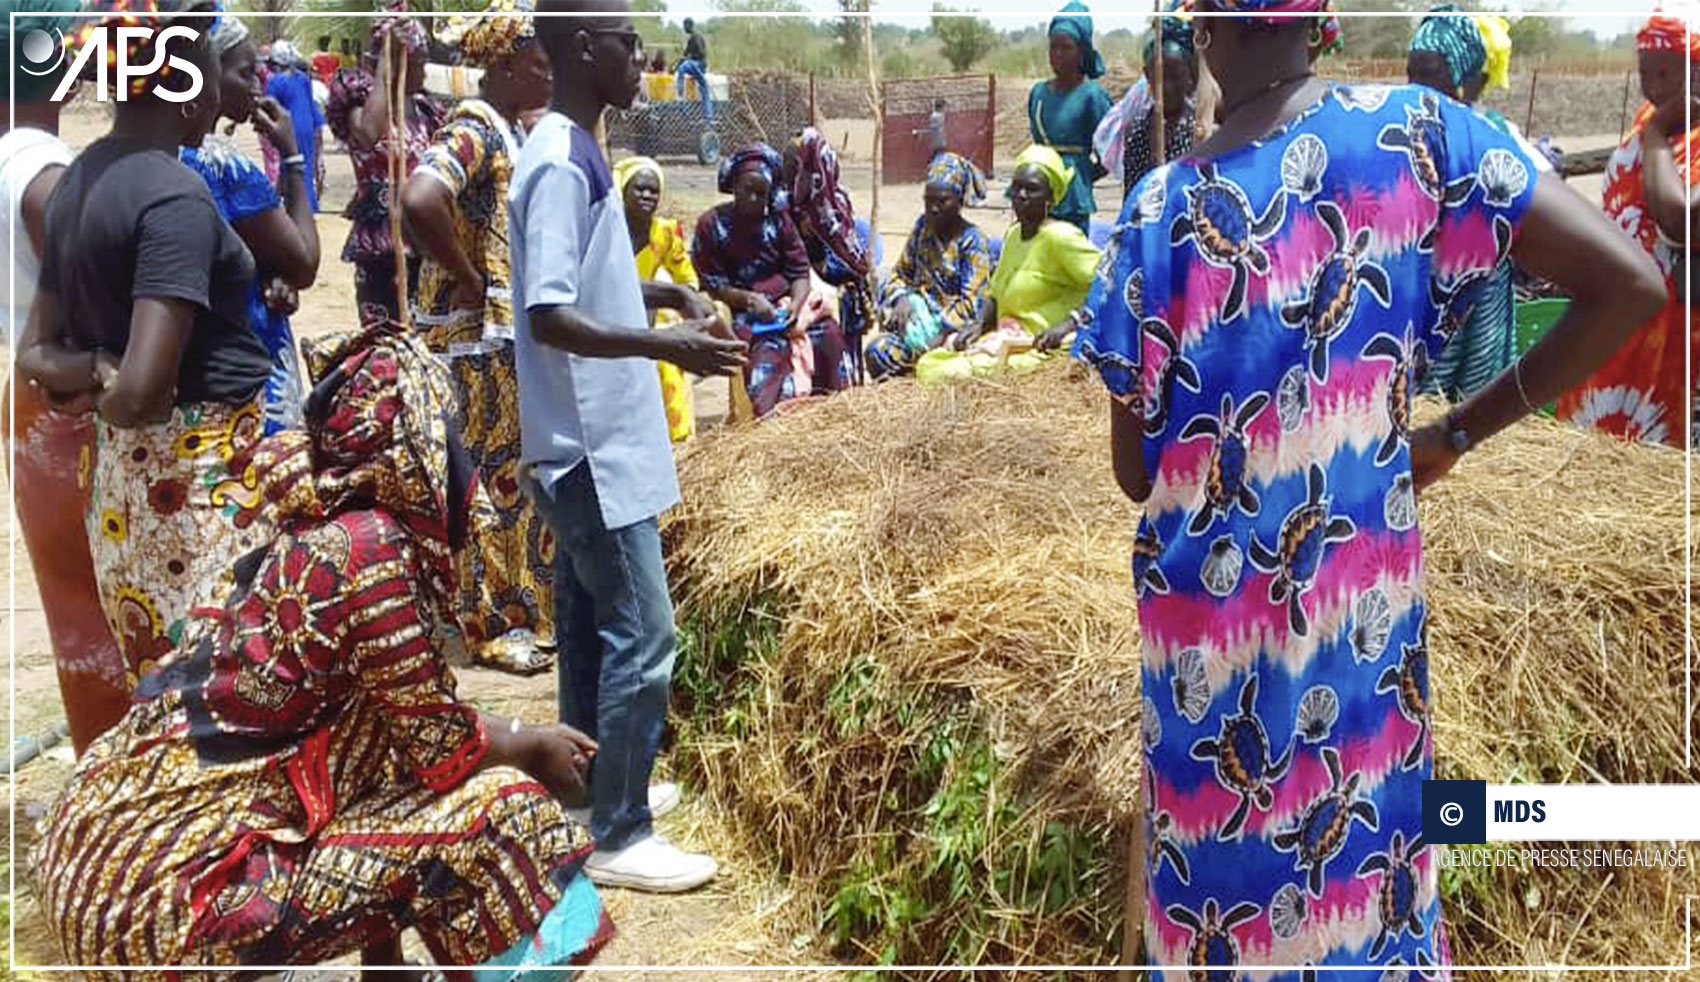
<point>910,569</point>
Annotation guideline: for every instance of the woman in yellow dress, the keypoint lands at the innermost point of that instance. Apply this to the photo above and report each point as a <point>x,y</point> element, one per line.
<point>663,254</point>
<point>1043,272</point>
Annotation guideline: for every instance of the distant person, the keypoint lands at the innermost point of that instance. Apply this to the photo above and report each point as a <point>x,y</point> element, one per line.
<point>658,62</point>
<point>1064,111</point>
<point>937,141</point>
<point>695,65</point>
<point>291,87</point>
<point>1180,107</point>
<point>325,62</point>
<point>345,55</point>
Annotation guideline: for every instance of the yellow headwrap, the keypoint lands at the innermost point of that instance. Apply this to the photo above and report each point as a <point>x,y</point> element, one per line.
<point>1059,174</point>
<point>1496,36</point>
<point>631,167</point>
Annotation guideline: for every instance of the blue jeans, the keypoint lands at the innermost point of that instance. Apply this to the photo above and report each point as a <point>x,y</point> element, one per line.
<point>614,620</point>
<point>693,68</point>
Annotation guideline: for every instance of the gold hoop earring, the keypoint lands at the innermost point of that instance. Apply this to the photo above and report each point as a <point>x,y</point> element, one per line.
<point>188,110</point>
<point>1201,39</point>
<point>1315,35</point>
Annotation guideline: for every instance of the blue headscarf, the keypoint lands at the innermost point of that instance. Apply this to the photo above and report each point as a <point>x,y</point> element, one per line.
<point>52,18</point>
<point>957,174</point>
<point>1075,20</point>
<point>1456,39</point>
<point>758,157</point>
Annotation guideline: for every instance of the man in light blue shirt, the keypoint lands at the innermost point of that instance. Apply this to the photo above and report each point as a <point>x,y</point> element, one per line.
<point>593,433</point>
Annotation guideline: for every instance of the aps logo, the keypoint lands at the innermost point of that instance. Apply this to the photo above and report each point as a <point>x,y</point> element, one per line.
<point>43,52</point>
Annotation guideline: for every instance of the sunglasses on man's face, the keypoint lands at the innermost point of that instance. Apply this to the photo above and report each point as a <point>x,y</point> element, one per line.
<point>630,38</point>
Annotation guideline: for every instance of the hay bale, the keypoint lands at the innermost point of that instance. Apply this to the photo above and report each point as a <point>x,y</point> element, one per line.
<point>911,667</point>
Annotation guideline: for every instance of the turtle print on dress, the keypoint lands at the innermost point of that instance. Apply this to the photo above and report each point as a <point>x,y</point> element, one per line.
<point>1177,370</point>
<point>1163,847</point>
<point>1225,485</point>
<point>1322,589</point>
<point>1228,233</point>
<point>1457,298</point>
<point>1306,534</point>
<point>1147,575</point>
<point>1423,141</point>
<point>1389,348</point>
<point>1241,753</point>
<point>1409,681</point>
<point>1212,952</point>
<point>1396,896</point>
<point>1327,821</point>
<point>1327,309</point>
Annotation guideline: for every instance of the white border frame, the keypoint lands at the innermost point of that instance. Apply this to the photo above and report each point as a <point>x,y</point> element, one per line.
<point>12,623</point>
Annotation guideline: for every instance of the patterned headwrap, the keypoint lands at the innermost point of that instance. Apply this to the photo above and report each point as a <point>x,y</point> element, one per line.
<point>503,28</point>
<point>379,434</point>
<point>1667,32</point>
<point>1453,36</point>
<point>47,16</point>
<point>153,14</point>
<point>818,203</point>
<point>1058,174</point>
<point>631,167</point>
<point>229,33</point>
<point>957,174</point>
<point>1177,36</point>
<point>409,33</point>
<point>757,157</point>
<point>1075,20</point>
<point>1272,11</point>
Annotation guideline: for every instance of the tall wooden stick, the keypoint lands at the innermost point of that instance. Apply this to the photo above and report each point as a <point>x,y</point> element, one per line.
<point>878,107</point>
<point>1160,136</point>
<point>395,86</point>
<point>1529,116</point>
<point>1623,117</point>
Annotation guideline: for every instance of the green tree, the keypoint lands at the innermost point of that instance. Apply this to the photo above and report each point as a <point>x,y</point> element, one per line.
<point>965,40</point>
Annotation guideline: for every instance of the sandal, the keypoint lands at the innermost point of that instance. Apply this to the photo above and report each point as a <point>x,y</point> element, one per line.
<point>517,652</point>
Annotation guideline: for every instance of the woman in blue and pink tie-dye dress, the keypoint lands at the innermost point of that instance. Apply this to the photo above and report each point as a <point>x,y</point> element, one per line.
<point>1258,318</point>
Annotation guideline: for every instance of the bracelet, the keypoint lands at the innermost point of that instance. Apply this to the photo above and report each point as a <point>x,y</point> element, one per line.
<point>513,726</point>
<point>294,160</point>
<point>1517,376</point>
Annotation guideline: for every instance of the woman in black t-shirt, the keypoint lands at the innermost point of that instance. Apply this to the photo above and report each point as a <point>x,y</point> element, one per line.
<point>142,317</point>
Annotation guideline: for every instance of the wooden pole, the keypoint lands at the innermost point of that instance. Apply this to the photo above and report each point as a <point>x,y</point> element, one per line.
<point>814,112</point>
<point>1529,117</point>
<point>1623,118</point>
<point>397,85</point>
<point>1160,134</point>
<point>991,123</point>
<point>877,101</point>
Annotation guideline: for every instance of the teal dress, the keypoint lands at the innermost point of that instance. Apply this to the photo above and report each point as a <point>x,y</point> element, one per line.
<point>1065,122</point>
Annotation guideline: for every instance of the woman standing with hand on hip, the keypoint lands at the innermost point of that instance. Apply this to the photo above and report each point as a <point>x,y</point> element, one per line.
<point>1261,414</point>
<point>51,448</point>
<point>142,314</point>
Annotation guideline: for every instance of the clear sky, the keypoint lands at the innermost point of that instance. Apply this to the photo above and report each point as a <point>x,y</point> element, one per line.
<point>1612,17</point>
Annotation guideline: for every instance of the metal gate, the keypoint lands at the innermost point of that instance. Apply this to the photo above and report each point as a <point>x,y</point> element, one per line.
<point>970,114</point>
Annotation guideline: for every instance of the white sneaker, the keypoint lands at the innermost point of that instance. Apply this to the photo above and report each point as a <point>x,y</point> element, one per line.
<point>663,798</point>
<point>651,864</point>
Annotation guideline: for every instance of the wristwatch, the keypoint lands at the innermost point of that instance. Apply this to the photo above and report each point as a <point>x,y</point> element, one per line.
<point>1456,436</point>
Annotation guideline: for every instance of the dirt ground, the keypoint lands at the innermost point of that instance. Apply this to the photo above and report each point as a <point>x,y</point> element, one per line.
<point>745,918</point>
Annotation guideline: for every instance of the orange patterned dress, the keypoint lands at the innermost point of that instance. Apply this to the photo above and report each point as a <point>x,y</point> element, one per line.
<point>1641,392</point>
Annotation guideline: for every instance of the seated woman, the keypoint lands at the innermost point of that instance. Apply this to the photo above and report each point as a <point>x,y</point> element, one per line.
<point>300,781</point>
<point>826,222</point>
<point>658,245</point>
<point>1043,274</point>
<point>936,289</point>
<point>750,257</point>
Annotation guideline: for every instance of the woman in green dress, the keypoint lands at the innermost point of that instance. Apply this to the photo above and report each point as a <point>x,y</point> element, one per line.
<point>1064,111</point>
